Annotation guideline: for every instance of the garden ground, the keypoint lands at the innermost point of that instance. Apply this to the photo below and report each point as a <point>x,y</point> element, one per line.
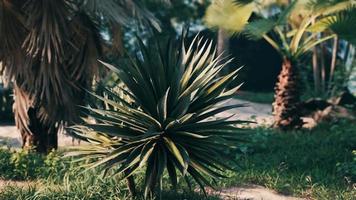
<point>317,164</point>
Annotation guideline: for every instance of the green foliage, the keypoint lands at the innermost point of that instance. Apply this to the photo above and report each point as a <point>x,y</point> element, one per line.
<point>255,30</point>
<point>322,4</point>
<point>5,167</point>
<point>348,169</point>
<point>89,187</point>
<point>170,123</point>
<point>344,24</point>
<point>27,165</point>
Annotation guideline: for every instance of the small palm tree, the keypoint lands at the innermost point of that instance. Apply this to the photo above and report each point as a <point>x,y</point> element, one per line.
<point>167,122</point>
<point>49,48</point>
<point>291,38</point>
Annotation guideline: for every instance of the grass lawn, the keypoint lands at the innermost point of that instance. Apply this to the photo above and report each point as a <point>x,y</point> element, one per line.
<point>317,164</point>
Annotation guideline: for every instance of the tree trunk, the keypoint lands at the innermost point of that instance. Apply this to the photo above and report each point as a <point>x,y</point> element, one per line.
<point>287,97</point>
<point>36,134</point>
<point>316,72</point>
<point>223,47</point>
<point>333,64</point>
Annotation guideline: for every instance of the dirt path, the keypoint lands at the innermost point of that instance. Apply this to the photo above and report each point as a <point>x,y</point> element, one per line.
<point>257,112</point>
<point>251,192</point>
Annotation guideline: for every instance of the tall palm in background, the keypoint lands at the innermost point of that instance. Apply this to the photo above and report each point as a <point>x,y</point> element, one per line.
<point>49,49</point>
<point>293,32</point>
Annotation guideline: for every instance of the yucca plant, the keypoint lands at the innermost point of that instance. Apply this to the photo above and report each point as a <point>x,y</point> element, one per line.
<point>317,21</point>
<point>168,123</point>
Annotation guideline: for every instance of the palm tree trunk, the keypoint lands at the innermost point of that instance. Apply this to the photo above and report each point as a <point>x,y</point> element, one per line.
<point>323,69</point>
<point>316,72</point>
<point>223,46</point>
<point>35,133</point>
<point>287,97</point>
<point>333,63</point>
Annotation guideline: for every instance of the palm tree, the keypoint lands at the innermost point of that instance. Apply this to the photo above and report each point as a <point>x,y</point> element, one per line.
<point>291,37</point>
<point>49,49</point>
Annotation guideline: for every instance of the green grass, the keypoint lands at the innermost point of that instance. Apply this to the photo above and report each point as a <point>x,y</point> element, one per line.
<point>256,97</point>
<point>317,164</point>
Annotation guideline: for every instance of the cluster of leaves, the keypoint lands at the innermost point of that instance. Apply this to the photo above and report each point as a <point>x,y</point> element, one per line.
<point>169,123</point>
<point>27,165</point>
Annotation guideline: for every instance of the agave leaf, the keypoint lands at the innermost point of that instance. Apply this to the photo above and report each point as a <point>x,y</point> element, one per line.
<point>193,135</point>
<point>146,153</point>
<point>205,170</point>
<point>172,173</point>
<point>175,151</point>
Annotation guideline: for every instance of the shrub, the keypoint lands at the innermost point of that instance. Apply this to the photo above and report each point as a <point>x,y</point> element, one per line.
<point>28,165</point>
<point>5,165</point>
<point>169,122</point>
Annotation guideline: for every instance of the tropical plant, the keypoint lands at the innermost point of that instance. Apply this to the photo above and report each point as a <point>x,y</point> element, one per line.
<point>317,21</point>
<point>169,123</point>
<point>50,49</point>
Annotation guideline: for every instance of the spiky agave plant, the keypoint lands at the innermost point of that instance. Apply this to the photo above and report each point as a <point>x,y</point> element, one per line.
<point>169,122</point>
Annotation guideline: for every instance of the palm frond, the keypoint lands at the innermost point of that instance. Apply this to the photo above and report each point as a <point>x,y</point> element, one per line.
<point>317,5</point>
<point>243,2</point>
<point>169,123</point>
<point>257,29</point>
<point>285,14</point>
<point>229,15</point>
<point>12,33</point>
<point>344,24</point>
<point>120,11</point>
